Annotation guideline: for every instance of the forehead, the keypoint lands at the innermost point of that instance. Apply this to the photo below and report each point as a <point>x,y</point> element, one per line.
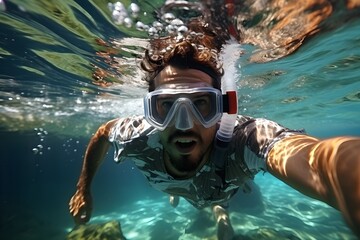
<point>172,74</point>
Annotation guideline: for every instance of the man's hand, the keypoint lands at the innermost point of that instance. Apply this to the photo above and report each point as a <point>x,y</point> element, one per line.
<point>80,207</point>
<point>174,200</point>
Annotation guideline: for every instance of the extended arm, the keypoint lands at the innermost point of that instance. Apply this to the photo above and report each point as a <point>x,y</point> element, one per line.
<point>80,205</point>
<point>328,170</point>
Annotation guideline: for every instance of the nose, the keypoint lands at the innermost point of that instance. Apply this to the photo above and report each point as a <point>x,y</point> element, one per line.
<point>183,120</point>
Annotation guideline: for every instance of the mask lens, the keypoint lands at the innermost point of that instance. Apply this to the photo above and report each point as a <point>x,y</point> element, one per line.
<point>205,104</point>
<point>163,105</point>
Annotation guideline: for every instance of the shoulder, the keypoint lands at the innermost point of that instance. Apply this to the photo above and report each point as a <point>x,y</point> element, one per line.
<point>258,134</point>
<point>125,129</point>
<point>263,127</point>
<point>254,138</point>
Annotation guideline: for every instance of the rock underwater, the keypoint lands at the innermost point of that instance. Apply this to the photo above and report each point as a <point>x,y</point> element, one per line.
<point>105,231</point>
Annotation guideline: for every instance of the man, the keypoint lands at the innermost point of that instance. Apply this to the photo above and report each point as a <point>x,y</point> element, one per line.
<point>173,144</point>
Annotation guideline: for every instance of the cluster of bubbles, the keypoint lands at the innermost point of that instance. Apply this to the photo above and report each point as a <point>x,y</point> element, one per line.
<point>167,24</point>
<point>41,133</point>
<point>69,145</point>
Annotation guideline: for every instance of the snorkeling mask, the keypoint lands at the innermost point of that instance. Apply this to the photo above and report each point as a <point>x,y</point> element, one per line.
<point>182,104</point>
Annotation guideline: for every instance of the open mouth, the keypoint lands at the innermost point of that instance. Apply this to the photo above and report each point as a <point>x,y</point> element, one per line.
<point>185,145</point>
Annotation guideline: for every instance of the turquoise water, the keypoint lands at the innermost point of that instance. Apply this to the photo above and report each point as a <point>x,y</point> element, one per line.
<point>51,104</point>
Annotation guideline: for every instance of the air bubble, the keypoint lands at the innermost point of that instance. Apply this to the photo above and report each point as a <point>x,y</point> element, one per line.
<point>168,17</point>
<point>158,25</point>
<point>182,29</point>
<point>170,29</point>
<point>2,5</point>
<point>128,22</point>
<point>152,31</point>
<point>119,17</point>
<point>177,22</point>
<point>134,9</point>
<point>140,26</point>
<point>119,6</point>
<point>110,6</point>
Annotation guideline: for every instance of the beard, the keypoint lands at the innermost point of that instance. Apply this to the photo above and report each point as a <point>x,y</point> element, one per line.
<point>185,163</point>
<point>185,157</point>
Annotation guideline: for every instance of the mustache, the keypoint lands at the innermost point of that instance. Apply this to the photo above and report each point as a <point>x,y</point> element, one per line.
<point>183,134</point>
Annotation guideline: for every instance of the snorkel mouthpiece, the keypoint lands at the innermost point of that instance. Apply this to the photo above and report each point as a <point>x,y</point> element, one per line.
<point>183,120</point>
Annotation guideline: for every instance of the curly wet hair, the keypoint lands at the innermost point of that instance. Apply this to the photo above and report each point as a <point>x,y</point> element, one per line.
<point>198,48</point>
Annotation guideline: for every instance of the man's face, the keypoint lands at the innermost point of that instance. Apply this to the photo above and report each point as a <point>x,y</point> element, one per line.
<point>185,150</point>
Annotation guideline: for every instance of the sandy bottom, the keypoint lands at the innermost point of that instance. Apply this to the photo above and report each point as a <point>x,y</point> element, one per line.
<point>271,211</point>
